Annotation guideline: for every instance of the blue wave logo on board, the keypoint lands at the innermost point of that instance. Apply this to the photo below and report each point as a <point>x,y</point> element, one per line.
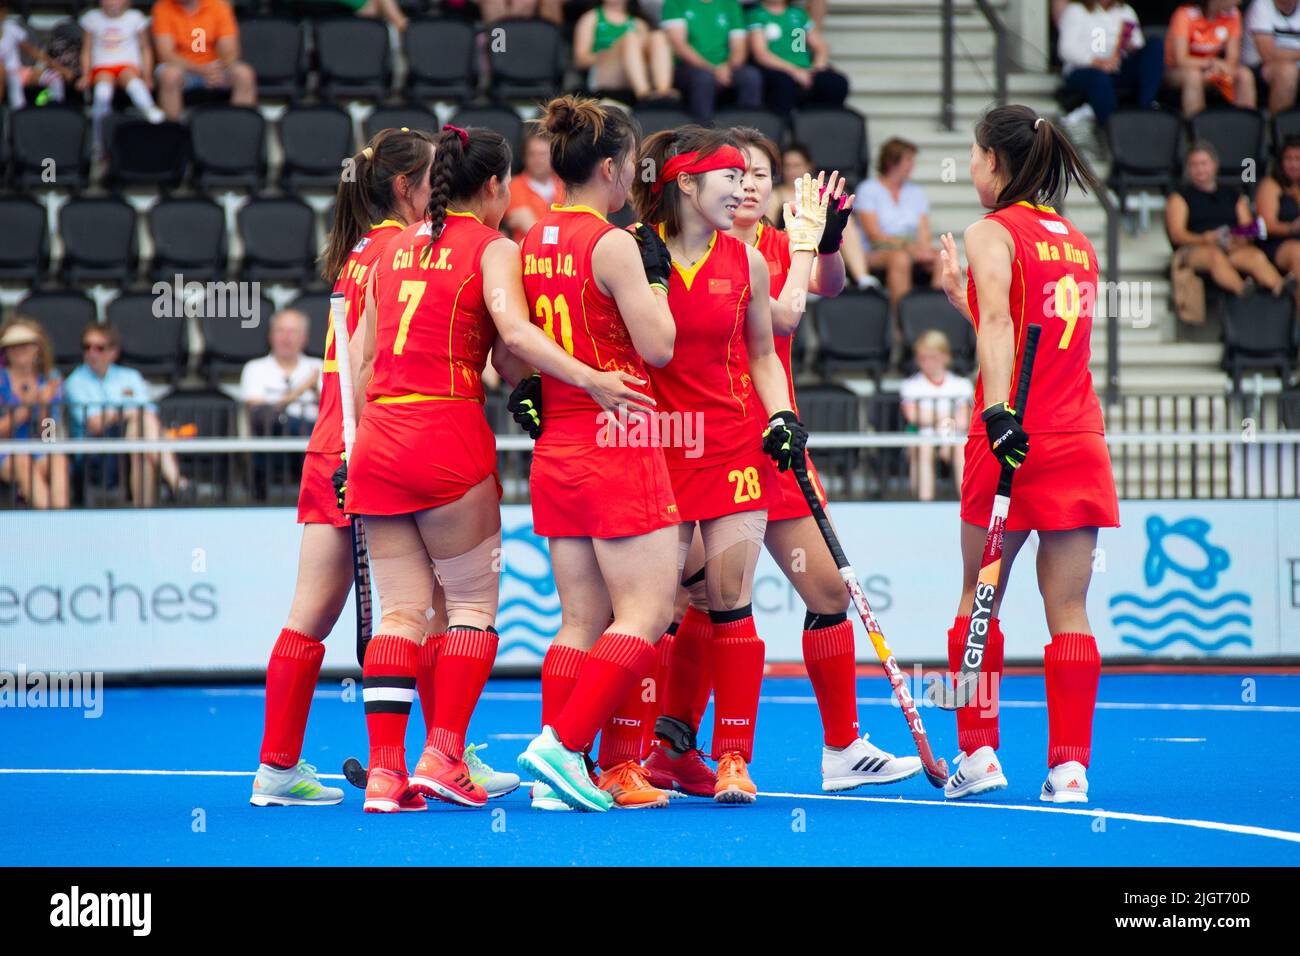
<point>529,613</point>
<point>1209,623</point>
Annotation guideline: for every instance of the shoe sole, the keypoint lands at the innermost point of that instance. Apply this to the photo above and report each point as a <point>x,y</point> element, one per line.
<point>1063,797</point>
<point>551,804</point>
<point>428,787</point>
<point>673,786</point>
<point>495,794</point>
<point>974,790</point>
<point>380,805</point>
<point>559,785</point>
<point>654,805</point>
<point>838,784</point>
<point>734,795</point>
<point>260,800</point>
<point>422,809</point>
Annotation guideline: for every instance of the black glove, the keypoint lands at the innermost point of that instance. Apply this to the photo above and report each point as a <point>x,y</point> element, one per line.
<point>837,217</point>
<point>525,405</point>
<point>340,482</point>
<point>655,257</point>
<point>784,439</point>
<point>1008,441</point>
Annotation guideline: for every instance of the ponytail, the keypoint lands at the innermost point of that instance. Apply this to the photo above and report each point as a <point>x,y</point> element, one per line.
<point>1040,159</point>
<point>463,163</point>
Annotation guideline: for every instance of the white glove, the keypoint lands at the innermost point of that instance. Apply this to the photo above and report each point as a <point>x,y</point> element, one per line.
<point>805,218</point>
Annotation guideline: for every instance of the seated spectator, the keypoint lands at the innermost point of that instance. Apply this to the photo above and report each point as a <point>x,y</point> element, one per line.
<point>56,72</point>
<point>1106,58</point>
<point>1278,203</point>
<point>895,217</point>
<point>935,402</point>
<point>197,42</point>
<point>116,54</point>
<point>535,189</point>
<point>621,52</point>
<point>1203,48</point>
<point>493,10</point>
<point>1199,217</point>
<point>107,400</point>
<point>793,58</point>
<point>282,388</point>
<point>387,10</point>
<point>31,393</point>
<point>1271,48</point>
<point>708,38</point>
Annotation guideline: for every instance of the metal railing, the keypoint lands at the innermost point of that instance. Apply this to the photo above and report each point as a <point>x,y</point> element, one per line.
<point>1001,57</point>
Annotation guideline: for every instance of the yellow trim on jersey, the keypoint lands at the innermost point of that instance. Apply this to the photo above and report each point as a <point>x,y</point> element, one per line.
<point>1046,209</point>
<point>688,273</point>
<point>463,215</point>
<point>556,207</point>
<point>451,333</point>
<point>417,397</point>
<point>386,222</point>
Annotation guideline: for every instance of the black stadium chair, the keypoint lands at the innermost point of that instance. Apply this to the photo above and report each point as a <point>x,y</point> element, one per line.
<point>152,329</point>
<point>1238,137</point>
<point>1285,124</point>
<point>272,46</point>
<point>279,240</point>
<point>526,58</point>
<point>827,407</point>
<point>189,237</point>
<point>99,241</point>
<point>837,138</point>
<point>926,309</point>
<point>442,60</point>
<point>656,119</point>
<point>854,333</point>
<point>228,145</point>
<point>24,240</point>
<point>395,117</point>
<point>230,340</point>
<point>316,140</point>
<point>1260,332</point>
<point>63,315</point>
<point>500,118</point>
<point>148,154</point>
<point>766,122</point>
<point>1144,151</point>
<point>316,306</point>
<point>353,57</point>
<point>51,147</point>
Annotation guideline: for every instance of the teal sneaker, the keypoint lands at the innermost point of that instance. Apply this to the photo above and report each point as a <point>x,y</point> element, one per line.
<point>544,798</point>
<point>550,762</point>
<point>496,783</point>
<point>296,787</point>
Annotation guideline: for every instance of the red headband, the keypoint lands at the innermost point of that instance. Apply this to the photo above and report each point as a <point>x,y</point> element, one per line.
<point>464,136</point>
<point>726,157</point>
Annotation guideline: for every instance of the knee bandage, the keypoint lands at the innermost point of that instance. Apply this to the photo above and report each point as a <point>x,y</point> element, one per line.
<point>405,585</point>
<point>731,547</point>
<point>471,583</point>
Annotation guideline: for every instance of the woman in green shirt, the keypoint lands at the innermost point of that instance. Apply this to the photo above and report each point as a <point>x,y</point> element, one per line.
<point>790,51</point>
<point>621,52</point>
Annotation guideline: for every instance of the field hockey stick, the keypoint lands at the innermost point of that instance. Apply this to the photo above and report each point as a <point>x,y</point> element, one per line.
<point>935,770</point>
<point>986,586</point>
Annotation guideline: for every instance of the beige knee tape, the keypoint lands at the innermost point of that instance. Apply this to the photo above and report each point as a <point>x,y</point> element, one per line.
<point>471,582</point>
<point>405,585</point>
<point>721,533</point>
<point>731,547</point>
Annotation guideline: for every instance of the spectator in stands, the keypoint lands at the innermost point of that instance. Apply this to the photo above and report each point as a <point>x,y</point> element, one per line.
<point>793,58</point>
<point>282,388</point>
<point>1278,202</point>
<point>536,189</point>
<point>387,10</point>
<point>197,42</point>
<point>935,402</point>
<point>30,396</point>
<point>116,54</point>
<point>622,52</point>
<point>895,217</point>
<point>493,10</point>
<point>1271,49</point>
<point>708,38</point>
<point>1199,217</point>
<point>107,400</point>
<point>1203,48</point>
<point>14,76</point>
<point>1106,58</point>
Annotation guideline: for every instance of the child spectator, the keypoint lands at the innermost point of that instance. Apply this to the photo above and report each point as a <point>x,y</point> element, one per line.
<point>1105,57</point>
<point>57,72</point>
<point>794,59</point>
<point>197,42</point>
<point>1271,49</point>
<point>935,402</point>
<point>622,52</point>
<point>1203,48</point>
<point>30,394</point>
<point>116,53</point>
<point>535,189</point>
<point>708,38</point>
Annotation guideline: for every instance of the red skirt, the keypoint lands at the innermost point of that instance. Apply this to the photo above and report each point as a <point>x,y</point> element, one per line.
<point>1065,483</point>
<point>747,482</point>
<point>317,503</point>
<point>787,498</point>
<point>411,457</point>
<point>581,490</point>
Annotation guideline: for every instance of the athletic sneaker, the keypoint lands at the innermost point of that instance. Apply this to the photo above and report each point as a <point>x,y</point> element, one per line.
<point>387,791</point>
<point>687,774</point>
<point>627,784</point>
<point>734,785</point>
<point>544,798</point>
<point>295,787</point>
<point>1066,783</point>
<point>496,784</point>
<point>979,773</point>
<point>861,763</point>
<point>437,775</point>
<point>550,762</point>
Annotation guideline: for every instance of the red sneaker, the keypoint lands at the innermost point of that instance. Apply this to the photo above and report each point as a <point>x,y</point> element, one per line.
<point>411,802</point>
<point>437,775</point>
<point>388,792</point>
<point>688,774</point>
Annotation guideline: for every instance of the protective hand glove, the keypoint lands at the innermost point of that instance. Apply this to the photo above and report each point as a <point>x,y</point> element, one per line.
<point>784,439</point>
<point>805,218</point>
<point>340,482</point>
<point>837,217</point>
<point>655,257</point>
<point>525,405</point>
<point>1008,440</point>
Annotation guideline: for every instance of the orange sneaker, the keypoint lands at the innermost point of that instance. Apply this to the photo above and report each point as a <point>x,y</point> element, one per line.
<point>627,784</point>
<point>437,775</point>
<point>387,792</point>
<point>411,802</point>
<point>734,785</point>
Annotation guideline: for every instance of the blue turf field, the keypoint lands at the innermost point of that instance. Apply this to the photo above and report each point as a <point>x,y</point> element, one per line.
<point>1191,774</point>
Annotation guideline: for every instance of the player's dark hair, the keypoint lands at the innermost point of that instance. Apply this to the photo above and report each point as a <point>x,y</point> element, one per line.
<point>584,134</point>
<point>663,207</point>
<point>365,194</point>
<point>461,169</point>
<point>1277,172</point>
<point>1036,155</point>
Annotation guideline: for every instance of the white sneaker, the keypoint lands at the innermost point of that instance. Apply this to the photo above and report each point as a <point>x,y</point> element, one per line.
<point>544,798</point>
<point>861,763</point>
<point>1066,783</point>
<point>979,773</point>
<point>495,782</point>
<point>1079,119</point>
<point>296,787</point>
<point>155,115</point>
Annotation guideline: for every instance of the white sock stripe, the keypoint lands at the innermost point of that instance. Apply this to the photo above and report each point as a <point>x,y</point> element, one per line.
<point>401,694</point>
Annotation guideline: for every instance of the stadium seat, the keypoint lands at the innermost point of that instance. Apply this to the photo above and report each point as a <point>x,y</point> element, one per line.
<point>152,343</point>
<point>854,333</point>
<point>50,147</point>
<point>279,240</point>
<point>189,237</point>
<point>827,407</point>
<point>526,58</point>
<point>656,119</point>
<point>500,118</point>
<point>442,60</point>
<point>1238,137</point>
<point>316,306</point>
<point>316,140</point>
<point>837,139</point>
<point>228,342</point>
<point>926,309</point>
<point>63,315</point>
<point>99,242</point>
<point>24,240</point>
<point>395,117</point>
<point>769,124</point>
<point>272,46</point>
<point>1260,332</point>
<point>228,145</point>
<point>204,413</point>
<point>148,154</point>
<point>1284,125</point>
<point>353,56</point>
<point>1144,151</point>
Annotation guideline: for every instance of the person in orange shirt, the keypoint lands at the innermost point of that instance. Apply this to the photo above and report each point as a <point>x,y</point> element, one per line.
<point>197,42</point>
<point>1203,47</point>
<point>534,191</point>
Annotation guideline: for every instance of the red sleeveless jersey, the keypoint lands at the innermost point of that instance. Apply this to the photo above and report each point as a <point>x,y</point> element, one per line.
<point>566,303</point>
<point>708,378</point>
<point>774,245</point>
<point>327,433</point>
<point>433,330</point>
<point>1053,283</point>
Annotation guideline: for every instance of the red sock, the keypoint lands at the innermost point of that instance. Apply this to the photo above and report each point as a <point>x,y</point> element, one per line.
<point>832,667</point>
<point>690,669</point>
<point>738,676</point>
<point>655,706</point>
<point>616,664</point>
<point>425,665</point>
<point>464,663</point>
<point>1072,667</point>
<point>977,722</point>
<point>560,669</point>
<point>388,679</point>
<point>620,738</point>
<point>290,681</point>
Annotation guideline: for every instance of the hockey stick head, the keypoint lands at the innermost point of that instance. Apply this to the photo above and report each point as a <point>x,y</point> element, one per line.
<point>354,773</point>
<point>952,697</point>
